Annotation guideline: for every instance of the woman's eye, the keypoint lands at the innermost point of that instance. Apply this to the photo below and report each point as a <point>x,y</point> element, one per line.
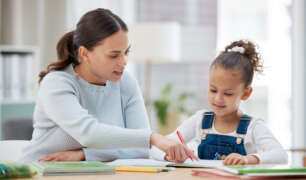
<point>113,57</point>
<point>228,94</point>
<point>213,91</point>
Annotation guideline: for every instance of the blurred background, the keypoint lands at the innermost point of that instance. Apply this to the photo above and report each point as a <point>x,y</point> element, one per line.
<point>173,43</point>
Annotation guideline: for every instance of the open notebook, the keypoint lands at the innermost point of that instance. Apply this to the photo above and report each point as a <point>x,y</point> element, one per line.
<point>151,162</point>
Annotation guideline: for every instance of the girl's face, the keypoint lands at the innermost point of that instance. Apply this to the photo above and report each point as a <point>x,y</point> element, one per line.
<point>107,60</point>
<point>226,90</point>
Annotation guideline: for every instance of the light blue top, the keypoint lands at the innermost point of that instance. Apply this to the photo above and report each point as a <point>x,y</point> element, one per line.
<point>109,121</point>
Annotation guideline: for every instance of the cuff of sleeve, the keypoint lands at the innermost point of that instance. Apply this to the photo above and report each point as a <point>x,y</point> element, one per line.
<point>87,155</point>
<point>258,156</point>
<point>157,154</point>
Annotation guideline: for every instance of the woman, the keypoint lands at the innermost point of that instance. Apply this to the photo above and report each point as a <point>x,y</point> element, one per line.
<point>88,107</point>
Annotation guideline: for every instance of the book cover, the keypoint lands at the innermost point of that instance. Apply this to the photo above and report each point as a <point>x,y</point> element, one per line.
<point>265,170</point>
<point>74,167</point>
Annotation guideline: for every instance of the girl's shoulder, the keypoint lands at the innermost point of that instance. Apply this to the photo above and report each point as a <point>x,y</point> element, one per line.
<point>256,123</point>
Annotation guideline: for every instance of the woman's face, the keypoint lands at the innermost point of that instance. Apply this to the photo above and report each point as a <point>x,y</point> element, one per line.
<point>107,60</point>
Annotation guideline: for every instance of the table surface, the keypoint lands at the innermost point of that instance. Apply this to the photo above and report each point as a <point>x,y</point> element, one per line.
<point>179,173</point>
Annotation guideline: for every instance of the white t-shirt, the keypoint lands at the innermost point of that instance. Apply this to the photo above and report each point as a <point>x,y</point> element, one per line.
<point>258,141</point>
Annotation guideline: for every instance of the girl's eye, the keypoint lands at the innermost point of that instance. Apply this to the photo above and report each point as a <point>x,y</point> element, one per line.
<point>213,91</point>
<point>228,94</point>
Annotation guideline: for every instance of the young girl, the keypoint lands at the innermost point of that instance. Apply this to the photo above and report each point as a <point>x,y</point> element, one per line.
<point>226,133</point>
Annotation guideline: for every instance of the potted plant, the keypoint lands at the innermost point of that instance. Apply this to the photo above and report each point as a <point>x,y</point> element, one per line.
<point>169,109</point>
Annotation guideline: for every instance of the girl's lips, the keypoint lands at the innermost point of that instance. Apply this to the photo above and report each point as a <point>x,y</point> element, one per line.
<point>219,106</point>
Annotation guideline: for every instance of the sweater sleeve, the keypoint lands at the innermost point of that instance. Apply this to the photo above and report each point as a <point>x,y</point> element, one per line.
<point>133,104</point>
<point>60,103</point>
<point>269,150</point>
<point>113,154</point>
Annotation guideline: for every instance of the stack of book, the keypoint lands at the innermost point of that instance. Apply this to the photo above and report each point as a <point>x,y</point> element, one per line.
<point>73,168</point>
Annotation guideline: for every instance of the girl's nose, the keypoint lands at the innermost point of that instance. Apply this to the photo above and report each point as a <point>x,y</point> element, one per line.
<point>219,97</point>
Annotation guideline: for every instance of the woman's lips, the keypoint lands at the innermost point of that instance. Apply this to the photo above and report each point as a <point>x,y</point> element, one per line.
<point>118,73</point>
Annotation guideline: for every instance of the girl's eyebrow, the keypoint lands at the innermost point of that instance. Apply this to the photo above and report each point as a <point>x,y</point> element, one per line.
<point>224,90</point>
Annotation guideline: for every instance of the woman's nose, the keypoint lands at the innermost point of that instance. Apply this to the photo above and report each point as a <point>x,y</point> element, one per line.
<point>123,61</point>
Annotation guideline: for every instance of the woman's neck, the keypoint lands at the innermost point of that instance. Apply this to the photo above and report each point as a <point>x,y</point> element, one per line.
<point>84,72</point>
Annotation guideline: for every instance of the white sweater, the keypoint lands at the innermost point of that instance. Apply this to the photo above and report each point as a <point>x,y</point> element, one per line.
<point>72,114</point>
<point>258,141</point>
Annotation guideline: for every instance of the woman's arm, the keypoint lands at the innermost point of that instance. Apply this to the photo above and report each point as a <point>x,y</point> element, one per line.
<point>188,129</point>
<point>135,117</point>
<point>61,104</point>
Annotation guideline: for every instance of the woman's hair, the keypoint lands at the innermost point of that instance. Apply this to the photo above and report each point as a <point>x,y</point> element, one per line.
<point>240,55</point>
<point>93,27</point>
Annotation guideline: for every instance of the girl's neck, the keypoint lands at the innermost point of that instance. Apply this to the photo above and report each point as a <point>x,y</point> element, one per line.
<point>227,123</point>
<point>229,118</point>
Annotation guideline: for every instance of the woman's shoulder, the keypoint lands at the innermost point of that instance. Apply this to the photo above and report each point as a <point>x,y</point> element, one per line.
<point>128,82</point>
<point>59,78</point>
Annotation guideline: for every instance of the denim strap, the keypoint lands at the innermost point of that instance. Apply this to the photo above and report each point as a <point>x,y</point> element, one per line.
<point>243,124</point>
<point>207,120</point>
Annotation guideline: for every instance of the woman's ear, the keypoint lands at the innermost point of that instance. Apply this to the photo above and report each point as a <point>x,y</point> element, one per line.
<point>247,93</point>
<point>83,53</point>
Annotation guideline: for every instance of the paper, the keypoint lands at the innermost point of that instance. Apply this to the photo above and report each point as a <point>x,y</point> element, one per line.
<point>151,162</point>
<point>137,162</point>
<point>201,163</point>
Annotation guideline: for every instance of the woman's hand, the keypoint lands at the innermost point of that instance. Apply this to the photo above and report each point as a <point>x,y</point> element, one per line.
<point>174,150</point>
<point>237,159</point>
<point>75,155</point>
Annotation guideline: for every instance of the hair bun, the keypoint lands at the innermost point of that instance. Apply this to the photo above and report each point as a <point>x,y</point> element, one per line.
<point>248,50</point>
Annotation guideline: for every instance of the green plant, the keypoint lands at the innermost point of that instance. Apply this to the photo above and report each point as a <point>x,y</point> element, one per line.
<point>166,102</point>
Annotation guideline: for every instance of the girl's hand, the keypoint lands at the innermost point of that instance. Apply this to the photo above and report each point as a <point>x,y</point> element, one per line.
<point>237,159</point>
<point>174,150</point>
<point>75,155</point>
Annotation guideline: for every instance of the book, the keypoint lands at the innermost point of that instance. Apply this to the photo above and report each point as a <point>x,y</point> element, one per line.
<point>73,168</point>
<point>198,164</point>
<point>217,173</point>
<point>16,170</point>
<point>265,170</point>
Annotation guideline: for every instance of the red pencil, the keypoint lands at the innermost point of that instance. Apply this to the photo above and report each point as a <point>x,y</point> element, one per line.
<point>182,141</point>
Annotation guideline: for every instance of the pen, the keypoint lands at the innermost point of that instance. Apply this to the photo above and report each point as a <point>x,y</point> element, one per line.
<point>182,141</point>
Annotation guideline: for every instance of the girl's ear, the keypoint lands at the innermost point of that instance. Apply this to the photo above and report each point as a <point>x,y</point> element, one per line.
<point>247,93</point>
<point>83,53</point>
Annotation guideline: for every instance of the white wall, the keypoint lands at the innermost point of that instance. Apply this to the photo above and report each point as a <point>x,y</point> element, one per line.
<point>298,73</point>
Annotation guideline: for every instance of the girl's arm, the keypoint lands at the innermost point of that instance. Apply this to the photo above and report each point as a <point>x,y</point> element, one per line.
<point>268,148</point>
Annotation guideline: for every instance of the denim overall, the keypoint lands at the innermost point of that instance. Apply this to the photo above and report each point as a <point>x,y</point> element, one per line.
<point>217,147</point>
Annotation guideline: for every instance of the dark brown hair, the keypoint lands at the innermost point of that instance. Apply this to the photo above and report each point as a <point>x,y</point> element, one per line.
<point>92,28</point>
<point>241,55</point>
